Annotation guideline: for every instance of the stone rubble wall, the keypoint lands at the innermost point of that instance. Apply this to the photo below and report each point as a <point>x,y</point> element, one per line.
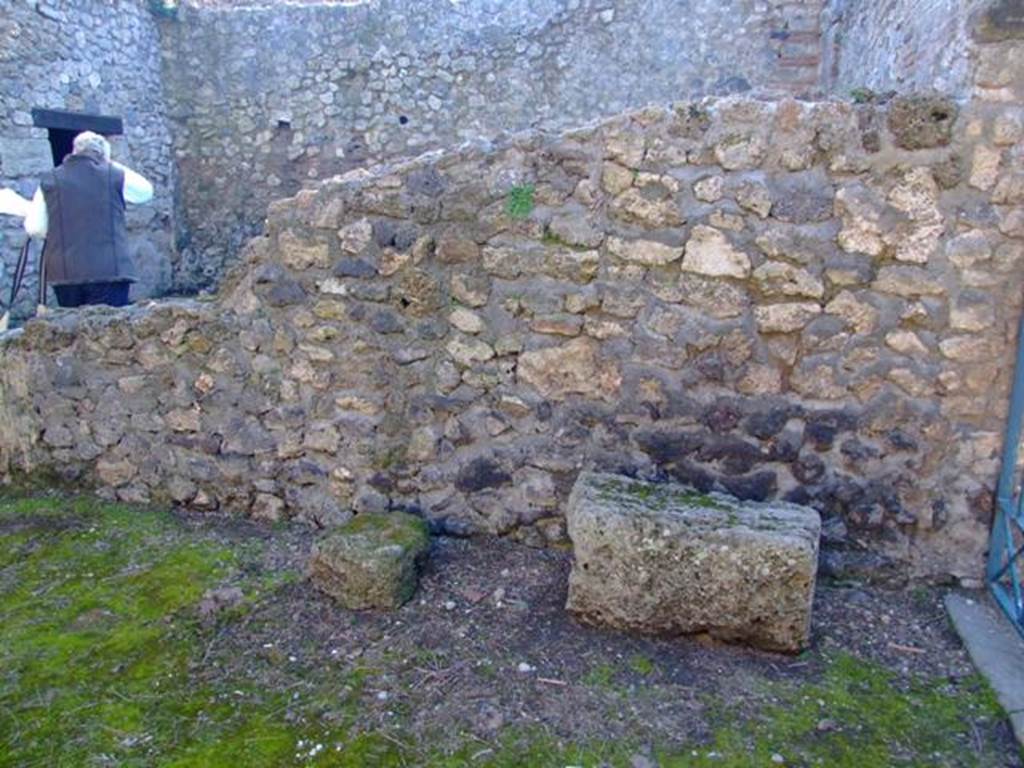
<point>266,100</point>
<point>97,57</point>
<point>902,45</point>
<point>806,301</point>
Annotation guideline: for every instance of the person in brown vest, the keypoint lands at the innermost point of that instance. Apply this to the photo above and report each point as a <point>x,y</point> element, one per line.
<point>79,208</point>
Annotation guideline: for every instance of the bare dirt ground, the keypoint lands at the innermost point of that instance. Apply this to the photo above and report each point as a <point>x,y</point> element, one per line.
<point>487,645</point>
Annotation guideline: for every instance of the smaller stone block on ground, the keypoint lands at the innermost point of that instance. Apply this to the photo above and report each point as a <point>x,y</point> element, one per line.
<point>372,561</point>
<point>664,559</point>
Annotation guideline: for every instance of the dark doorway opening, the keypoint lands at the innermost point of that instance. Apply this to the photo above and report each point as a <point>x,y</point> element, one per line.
<point>62,128</point>
<point>61,143</point>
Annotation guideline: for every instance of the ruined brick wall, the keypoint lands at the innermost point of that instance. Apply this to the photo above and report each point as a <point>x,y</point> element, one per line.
<point>93,56</point>
<point>268,99</point>
<point>899,45</point>
<point>812,301</point>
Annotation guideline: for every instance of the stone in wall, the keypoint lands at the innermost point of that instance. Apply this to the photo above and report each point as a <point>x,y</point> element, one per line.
<point>407,339</point>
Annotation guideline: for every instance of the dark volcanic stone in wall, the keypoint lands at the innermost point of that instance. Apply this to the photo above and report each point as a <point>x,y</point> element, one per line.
<point>922,122</point>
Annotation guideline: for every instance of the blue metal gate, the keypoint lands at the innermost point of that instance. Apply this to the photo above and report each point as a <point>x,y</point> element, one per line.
<point>1006,547</point>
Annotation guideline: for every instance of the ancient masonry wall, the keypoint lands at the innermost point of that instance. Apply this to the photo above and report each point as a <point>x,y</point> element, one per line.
<point>899,45</point>
<point>813,301</point>
<point>266,100</point>
<point>93,56</point>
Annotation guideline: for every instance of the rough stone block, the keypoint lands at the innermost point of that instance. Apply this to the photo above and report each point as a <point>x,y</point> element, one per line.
<point>921,121</point>
<point>372,561</point>
<point>25,157</point>
<point>664,559</point>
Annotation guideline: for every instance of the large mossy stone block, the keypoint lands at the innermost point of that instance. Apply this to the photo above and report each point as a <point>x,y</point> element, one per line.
<point>373,561</point>
<point>664,559</point>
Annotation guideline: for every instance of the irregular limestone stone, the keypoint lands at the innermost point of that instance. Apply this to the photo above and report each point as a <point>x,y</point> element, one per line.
<point>558,324</point>
<point>968,249</point>
<point>1008,129</point>
<point>859,209</point>
<point>738,152</point>
<point>466,321</point>
<point>576,230</point>
<point>909,282</point>
<point>717,298</point>
<point>453,250</point>
<point>709,252</point>
<point>468,352</point>
<point>785,318</point>
<point>664,559</point>
<point>972,317</point>
<point>709,189</point>
<point>615,179</point>
<point>637,206</point>
<point>267,507</point>
<point>730,221</point>
<point>906,343</point>
<point>356,237</point>
<point>647,252</point>
<point>985,167</point>
<point>573,368</point>
<point>778,278</point>
<point>1009,190</point>
<point>916,196</point>
<point>471,290</point>
<point>967,349</point>
<point>859,315</point>
<point>372,561</point>
<point>760,379</point>
<point>115,473</point>
<point>298,253</point>
<point>755,197</point>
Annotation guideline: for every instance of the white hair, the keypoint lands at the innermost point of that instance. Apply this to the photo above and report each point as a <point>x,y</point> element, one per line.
<point>89,143</point>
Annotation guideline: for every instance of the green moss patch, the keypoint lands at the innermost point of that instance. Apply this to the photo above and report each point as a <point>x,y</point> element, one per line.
<point>519,203</point>
<point>859,715</point>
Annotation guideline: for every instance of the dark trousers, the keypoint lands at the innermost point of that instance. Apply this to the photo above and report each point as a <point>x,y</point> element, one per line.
<point>113,293</point>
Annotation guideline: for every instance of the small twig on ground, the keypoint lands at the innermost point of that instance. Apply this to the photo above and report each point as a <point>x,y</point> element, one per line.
<point>906,648</point>
<point>551,681</point>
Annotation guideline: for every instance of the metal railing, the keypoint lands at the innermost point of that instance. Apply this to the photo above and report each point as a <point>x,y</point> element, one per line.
<point>1006,546</point>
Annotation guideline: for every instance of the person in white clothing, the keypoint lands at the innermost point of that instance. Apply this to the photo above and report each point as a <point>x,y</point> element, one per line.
<point>79,208</point>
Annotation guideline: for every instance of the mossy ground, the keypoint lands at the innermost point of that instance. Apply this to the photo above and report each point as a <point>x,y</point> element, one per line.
<point>104,661</point>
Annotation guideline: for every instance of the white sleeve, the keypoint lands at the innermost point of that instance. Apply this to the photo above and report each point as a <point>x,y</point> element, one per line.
<point>137,188</point>
<point>36,221</point>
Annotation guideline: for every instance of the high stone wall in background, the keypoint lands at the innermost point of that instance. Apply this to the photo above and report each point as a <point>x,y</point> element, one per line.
<point>266,100</point>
